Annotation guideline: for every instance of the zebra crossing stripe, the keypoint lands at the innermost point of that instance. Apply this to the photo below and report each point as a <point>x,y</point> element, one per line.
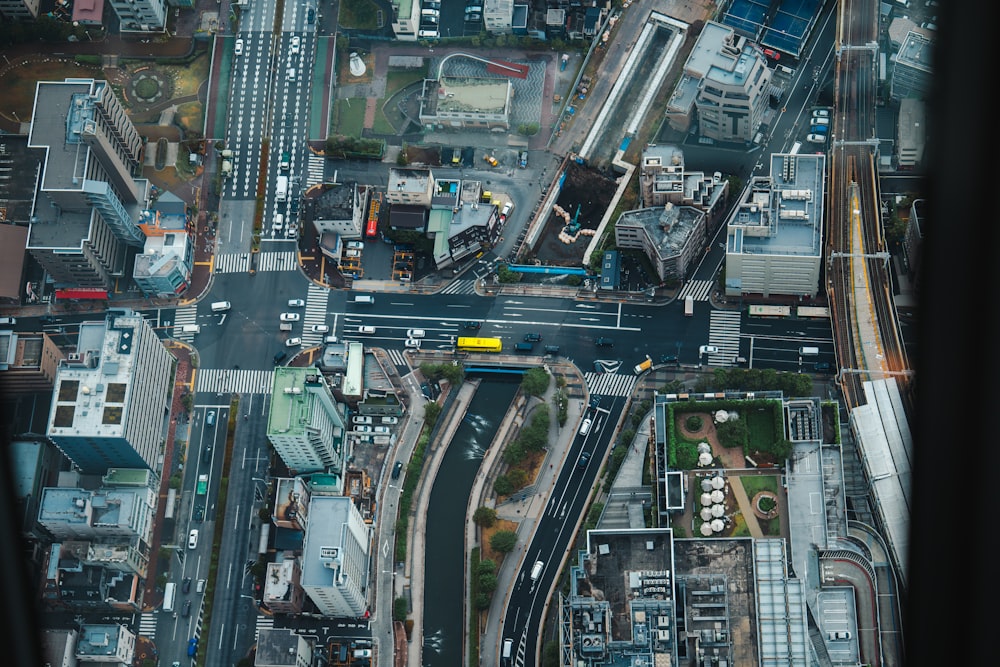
<point>700,290</point>
<point>147,625</point>
<point>238,262</point>
<point>397,357</point>
<point>234,381</point>
<point>724,333</point>
<point>182,317</point>
<point>610,384</point>
<point>464,286</point>
<point>286,260</point>
<point>264,622</point>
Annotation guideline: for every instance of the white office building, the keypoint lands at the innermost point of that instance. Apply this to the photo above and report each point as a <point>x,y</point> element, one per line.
<point>305,426</point>
<point>335,555</point>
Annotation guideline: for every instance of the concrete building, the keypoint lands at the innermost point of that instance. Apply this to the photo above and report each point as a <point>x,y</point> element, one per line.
<point>282,648</point>
<point>105,644</point>
<point>34,465</point>
<point>28,362</point>
<point>463,224</point>
<point>335,557</point>
<point>724,87</point>
<point>59,648</point>
<point>283,592</point>
<point>410,186</point>
<point>72,582</point>
<point>83,230</point>
<point>912,69</point>
<point>672,237</point>
<point>167,260</point>
<point>405,19</point>
<point>466,103</point>
<point>912,134</point>
<point>20,10</point>
<point>338,214</point>
<point>112,394</point>
<point>663,178</point>
<point>305,426</point>
<point>497,16</point>
<point>774,244</point>
<point>141,15</point>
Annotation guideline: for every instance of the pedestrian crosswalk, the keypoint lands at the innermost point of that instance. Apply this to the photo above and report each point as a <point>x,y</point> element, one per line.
<point>147,625</point>
<point>264,622</point>
<point>183,317</point>
<point>315,315</point>
<point>465,286</point>
<point>239,262</point>
<point>610,384</point>
<point>314,170</point>
<point>700,290</point>
<point>724,333</point>
<point>397,358</point>
<point>234,381</point>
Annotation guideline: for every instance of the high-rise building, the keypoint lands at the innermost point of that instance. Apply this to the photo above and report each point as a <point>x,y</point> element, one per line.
<point>83,226</point>
<point>141,15</point>
<point>335,556</point>
<point>305,427</point>
<point>112,394</point>
<point>28,362</point>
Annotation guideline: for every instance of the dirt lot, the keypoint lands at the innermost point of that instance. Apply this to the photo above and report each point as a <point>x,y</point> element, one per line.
<point>586,192</point>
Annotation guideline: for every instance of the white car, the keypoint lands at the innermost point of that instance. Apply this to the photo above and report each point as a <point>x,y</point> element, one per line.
<point>412,343</point>
<point>289,317</point>
<point>390,420</point>
<point>415,333</point>
<point>239,48</point>
<point>296,41</point>
<point>708,349</point>
<point>382,430</point>
<point>362,420</point>
<point>296,303</point>
<point>363,429</point>
<point>319,328</point>
<point>293,342</point>
<point>816,138</point>
<point>193,539</point>
<point>821,113</point>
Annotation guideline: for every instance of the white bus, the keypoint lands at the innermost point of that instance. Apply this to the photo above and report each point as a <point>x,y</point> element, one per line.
<point>168,596</point>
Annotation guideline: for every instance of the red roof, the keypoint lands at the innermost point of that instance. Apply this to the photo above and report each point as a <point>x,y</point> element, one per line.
<point>83,293</point>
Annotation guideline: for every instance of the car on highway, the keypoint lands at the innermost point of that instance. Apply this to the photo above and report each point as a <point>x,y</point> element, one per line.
<point>816,138</point>
<point>192,647</point>
<point>210,418</point>
<point>532,338</point>
<point>708,349</point>
<point>415,333</point>
<point>472,324</point>
<point>187,609</point>
<point>193,539</point>
<point>186,585</point>
<point>319,328</point>
<point>584,459</point>
<point>239,48</point>
<point>293,342</point>
<point>199,513</point>
<point>289,317</point>
<point>412,343</point>
<point>397,469</point>
<point>295,43</point>
<point>668,359</point>
<point>296,303</point>
<point>604,341</point>
<point>823,367</point>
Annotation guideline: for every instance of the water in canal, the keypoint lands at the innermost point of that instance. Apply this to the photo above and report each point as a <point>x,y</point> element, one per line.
<point>444,562</point>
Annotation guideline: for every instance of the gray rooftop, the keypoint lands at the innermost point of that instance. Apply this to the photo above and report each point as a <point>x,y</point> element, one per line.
<point>669,227</point>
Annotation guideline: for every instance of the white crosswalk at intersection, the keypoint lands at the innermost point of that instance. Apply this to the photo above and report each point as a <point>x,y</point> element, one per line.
<point>285,260</point>
<point>397,357</point>
<point>314,167</point>
<point>234,381</point>
<point>610,384</point>
<point>724,333</point>
<point>232,262</point>
<point>182,317</point>
<point>315,314</point>
<point>701,290</point>
<point>264,622</point>
<point>464,286</point>
<point>147,625</point>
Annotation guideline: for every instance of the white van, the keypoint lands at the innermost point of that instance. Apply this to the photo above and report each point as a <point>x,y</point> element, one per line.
<point>536,570</point>
<point>8,321</point>
<point>221,306</point>
<point>352,253</point>
<point>364,298</point>
<point>355,245</point>
<point>508,647</point>
<point>585,426</point>
<point>290,75</point>
<point>415,333</point>
<point>506,211</point>
<point>808,351</point>
<point>366,330</point>
<point>191,328</point>
<point>200,588</point>
<point>362,653</point>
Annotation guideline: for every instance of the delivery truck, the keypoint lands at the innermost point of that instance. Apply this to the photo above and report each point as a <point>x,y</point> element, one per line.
<point>643,366</point>
<point>689,306</point>
<point>281,191</point>
<point>202,487</point>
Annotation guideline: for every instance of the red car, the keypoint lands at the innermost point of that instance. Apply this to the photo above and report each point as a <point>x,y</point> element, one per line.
<point>770,53</point>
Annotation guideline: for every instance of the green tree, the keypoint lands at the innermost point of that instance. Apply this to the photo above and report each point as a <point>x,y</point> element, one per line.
<point>487,582</point>
<point>550,654</point>
<point>502,486</point>
<point>486,566</point>
<point>400,608</point>
<point>506,276</point>
<point>503,541</point>
<point>513,453</point>
<point>483,601</point>
<point>431,413</point>
<point>535,382</point>
<point>518,478</point>
<point>485,517</point>
<point>733,433</point>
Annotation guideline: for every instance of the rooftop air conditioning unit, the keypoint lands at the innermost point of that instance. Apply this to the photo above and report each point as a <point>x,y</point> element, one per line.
<point>73,356</point>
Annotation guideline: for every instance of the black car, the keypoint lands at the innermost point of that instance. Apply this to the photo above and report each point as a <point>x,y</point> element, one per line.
<point>187,609</point>
<point>551,349</point>
<point>206,454</point>
<point>604,342</point>
<point>595,402</point>
<point>186,586</point>
<point>823,367</point>
<point>397,469</point>
<point>199,513</point>
<point>533,338</point>
<point>583,460</point>
<point>279,356</point>
<point>668,359</point>
<point>472,324</point>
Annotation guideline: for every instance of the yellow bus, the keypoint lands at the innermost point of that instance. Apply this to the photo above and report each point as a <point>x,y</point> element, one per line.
<point>479,344</point>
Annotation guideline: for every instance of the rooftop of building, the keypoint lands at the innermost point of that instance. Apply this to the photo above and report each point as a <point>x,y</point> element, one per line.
<point>19,165</point>
<point>162,253</point>
<point>917,51</point>
<point>93,390</point>
<point>325,538</point>
<point>293,400</point>
<point>277,646</point>
<point>413,181</point>
<point>783,212</point>
<point>668,227</point>
<point>466,95</point>
<point>61,112</point>
<point>110,507</point>
<point>98,640</point>
<point>279,581</point>
<point>336,202</point>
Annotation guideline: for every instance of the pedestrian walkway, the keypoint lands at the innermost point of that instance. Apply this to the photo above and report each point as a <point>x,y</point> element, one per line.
<point>234,381</point>
<point>185,317</point>
<point>239,262</point>
<point>700,290</point>
<point>398,359</point>
<point>610,384</point>
<point>147,625</point>
<point>464,286</point>
<point>315,315</point>
<point>264,622</point>
<point>724,333</point>
<point>314,170</point>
